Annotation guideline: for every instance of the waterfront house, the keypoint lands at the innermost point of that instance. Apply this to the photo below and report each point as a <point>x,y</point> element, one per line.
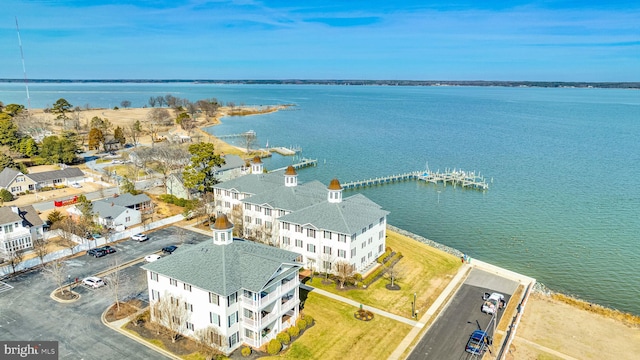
<point>17,182</point>
<point>237,291</point>
<point>19,227</point>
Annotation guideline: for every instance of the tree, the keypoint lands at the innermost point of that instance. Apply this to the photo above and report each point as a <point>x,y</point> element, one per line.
<point>118,134</point>
<point>61,107</point>
<point>113,281</point>
<point>135,130</point>
<point>55,150</point>
<point>55,216</point>
<point>40,248</point>
<point>125,103</point>
<point>13,109</point>
<point>172,313</point>
<point>57,270</point>
<point>103,125</point>
<point>67,227</point>
<point>248,139</point>
<point>8,132</point>
<point>85,206</point>
<point>169,158</point>
<point>200,174</point>
<point>6,161</point>
<point>184,120</point>
<point>6,195</point>
<point>14,257</point>
<point>345,272</point>
<point>237,218</point>
<point>152,101</point>
<point>392,272</point>
<point>96,137</point>
<point>27,147</point>
<point>127,186</point>
<point>326,261</point>
<point>209,341</point>
<point>160,117</point>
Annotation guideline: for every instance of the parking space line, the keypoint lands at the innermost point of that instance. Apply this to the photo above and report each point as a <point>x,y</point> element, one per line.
<point>5,287</point>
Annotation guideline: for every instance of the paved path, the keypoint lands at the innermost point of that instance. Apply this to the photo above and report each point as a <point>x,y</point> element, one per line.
<point>357,305</point>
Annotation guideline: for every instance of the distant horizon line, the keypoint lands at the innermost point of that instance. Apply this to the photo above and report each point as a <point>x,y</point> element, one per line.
<point>511,83</point>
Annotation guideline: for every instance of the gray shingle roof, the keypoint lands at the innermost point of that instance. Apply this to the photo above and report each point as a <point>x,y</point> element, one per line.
<point>7,175</point>
<point>291,198</point>
<point>347,217</point>
<point>71,172</point>
<point>127,199</point>
<point>224,269</point>
<point>254,183</point>
<point>29,216</point>
<point>231,162</point>
<point>105,210</point>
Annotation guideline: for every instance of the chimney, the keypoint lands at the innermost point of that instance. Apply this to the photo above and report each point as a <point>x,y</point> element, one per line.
<point>15,209</point>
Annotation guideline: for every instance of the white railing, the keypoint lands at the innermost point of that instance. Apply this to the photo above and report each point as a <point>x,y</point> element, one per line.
<point>269,298</point>
<point>252,323</point>
<point>269,317</point>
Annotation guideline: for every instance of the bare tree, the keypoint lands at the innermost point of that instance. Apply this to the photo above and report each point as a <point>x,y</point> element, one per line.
<point>14,257</point>
<point>210,341</point>
<point>327,261</point>
<point>181,234</point>
<point>40,248</point>
<point>57,271</point>
<point>170,158</point>
<point>393,272</point>
<point>125,103</point>
<point>172,313</point>
<point>248,140</point>
<point>345,272</point>
<point>113,281</point>
<point>237,218</point>
<point>67,227</point>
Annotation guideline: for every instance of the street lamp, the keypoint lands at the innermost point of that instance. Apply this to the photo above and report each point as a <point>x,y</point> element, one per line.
<point>413,306</point>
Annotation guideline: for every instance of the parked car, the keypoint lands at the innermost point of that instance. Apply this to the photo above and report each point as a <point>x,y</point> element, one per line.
<point>140,237</point>
<point>93,282</point>
<point>151,258</point>
<point>169,249</point>
<point>76,185</point>
<point>478,342</point>
<point>101,251</point>
<point>492,303</point>
<point>117,161</point>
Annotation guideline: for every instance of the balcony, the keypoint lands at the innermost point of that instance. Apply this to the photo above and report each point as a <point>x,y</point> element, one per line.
<point>270,297</point>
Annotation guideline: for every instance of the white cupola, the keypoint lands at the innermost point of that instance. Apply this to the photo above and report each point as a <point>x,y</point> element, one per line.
<point>256,166</point>
<point>290,177</point>
<point>335,192</point>
<point>222,231</point>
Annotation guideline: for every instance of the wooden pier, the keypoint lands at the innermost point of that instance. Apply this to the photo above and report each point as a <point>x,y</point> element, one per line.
<point>230,136</point>
<point>304,162</point>
<point>448,177</point>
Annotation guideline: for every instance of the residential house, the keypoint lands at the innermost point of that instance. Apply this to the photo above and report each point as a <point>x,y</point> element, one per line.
<point>240,292</point>
<point>140,202</point>
<point>233,167</point>
<point>176,187</point>
<point>310,218</point>
<point>110,215</point>
<point>17,182</point>
<point>19,227</point>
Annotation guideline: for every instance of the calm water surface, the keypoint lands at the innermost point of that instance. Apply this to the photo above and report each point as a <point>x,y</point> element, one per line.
<point>564,165</point>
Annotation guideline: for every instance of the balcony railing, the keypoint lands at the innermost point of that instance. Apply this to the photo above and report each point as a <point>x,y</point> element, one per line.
<point>269,298</point>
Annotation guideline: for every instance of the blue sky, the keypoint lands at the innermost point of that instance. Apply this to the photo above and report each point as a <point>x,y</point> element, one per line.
<point>332,39</point>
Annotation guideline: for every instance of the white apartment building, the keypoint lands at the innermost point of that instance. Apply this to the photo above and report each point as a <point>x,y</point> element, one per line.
<point>244,291</point>
<point>18,228</point>
<point>310,219</point>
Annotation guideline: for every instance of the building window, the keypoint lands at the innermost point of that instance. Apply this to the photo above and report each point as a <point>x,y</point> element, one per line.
<point>155,295</point>
<point>298,228</point>
<point>227,193</point>
<point>188,307</point>
<point>281,213</point>
<point>190,326</point>
<point>8,228</point>
<point>233,339</point>
<point>285,226</point>
<point>370,240</point>
<point>227,204</point>
<point>342,238</point>
<point>154,276</point>
<point>370,226</point>
<point>311,248</point>
<point>234,196</point>
<point>267,212</point>
<point>218,191</point>
<point>342,254</point>
<point>364,243</point>
<point>173,282</point>
<point>363,259</point>
<point>381,234</point>
<point>247,206</point>
<point>268,225</point>
<point>286,240</point>
<point>311,233</point>
<point>257,207</point>
<point>381,221</point>
<point>258,221</point>
<point>370,254</point>
<point>249,334</point>
<point>364,230</point>
<point>127,219</point>
<point>247,219</point>
<point>299,243</point>
<point>214,298</point>
<point>248,314</point>
<point>353,252</point>
<point>327,234</point>
<point>326,250</point>
<point>20,179</point>
<point>214,318</point>
<point>231,299</point>
<point>380,248</point>
<point>233,318</point>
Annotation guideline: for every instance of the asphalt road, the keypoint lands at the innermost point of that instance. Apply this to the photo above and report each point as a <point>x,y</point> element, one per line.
<point>447,337</point>
<point>28,313</point>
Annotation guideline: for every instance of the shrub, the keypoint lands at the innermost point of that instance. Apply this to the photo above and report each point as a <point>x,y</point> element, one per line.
<point>357,277</point>
<point>274,346</point>
<point>382,257</point>
<point>301,324</point>
<point>284,337</point>
<point>308,319</point>
<point>246,351</point>
<point>293,331</point>
<point>6,195</point>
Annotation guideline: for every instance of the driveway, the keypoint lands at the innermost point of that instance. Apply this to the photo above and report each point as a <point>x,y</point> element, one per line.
<point>447,337</point>
<point>28,313</point>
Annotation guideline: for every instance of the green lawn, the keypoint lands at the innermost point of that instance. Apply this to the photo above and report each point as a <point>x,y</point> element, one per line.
<point>426,271</point>
<point>337,334</point>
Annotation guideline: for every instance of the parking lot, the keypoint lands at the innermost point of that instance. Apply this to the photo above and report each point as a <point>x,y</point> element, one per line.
<point>448,336</point>
<point>27,312</point>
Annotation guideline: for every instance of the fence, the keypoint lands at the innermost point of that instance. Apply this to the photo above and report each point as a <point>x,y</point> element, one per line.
<point>84,244</point>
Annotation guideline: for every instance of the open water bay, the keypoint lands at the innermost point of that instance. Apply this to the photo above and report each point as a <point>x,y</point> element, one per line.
<point>563,203</point>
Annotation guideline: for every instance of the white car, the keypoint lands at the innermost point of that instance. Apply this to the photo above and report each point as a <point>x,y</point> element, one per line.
<point>492,303</point>
<point>151,258</point>
<point>93,282</point>
<point>140,237</point>
<point>76,185</point>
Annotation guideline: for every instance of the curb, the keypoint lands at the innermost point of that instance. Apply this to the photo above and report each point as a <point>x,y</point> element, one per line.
<point>119,329</point>
<point>55,298</point>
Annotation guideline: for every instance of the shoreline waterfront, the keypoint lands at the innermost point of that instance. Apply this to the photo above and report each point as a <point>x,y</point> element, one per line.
<point>554,210</point>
